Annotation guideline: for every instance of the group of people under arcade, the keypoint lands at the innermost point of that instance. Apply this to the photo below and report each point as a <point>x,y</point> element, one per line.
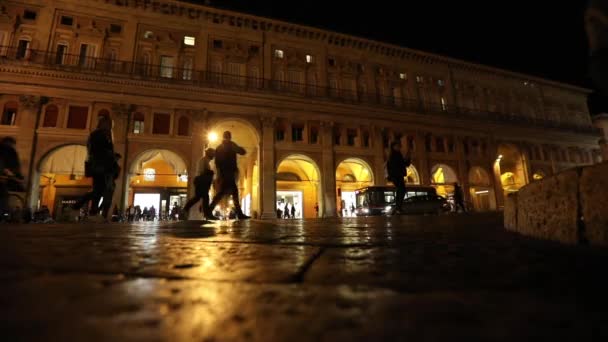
<point>102,166</point>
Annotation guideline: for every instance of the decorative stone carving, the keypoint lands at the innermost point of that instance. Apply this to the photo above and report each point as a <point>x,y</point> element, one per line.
<point>268,121</point>
<point>122,110</point>
<point>30,101</point>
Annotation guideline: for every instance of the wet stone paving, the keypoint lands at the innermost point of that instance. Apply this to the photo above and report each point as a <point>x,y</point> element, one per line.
<point>455,277</point>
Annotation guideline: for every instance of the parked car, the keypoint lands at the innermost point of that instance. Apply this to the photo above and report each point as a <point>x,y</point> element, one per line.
<point>380,200</point>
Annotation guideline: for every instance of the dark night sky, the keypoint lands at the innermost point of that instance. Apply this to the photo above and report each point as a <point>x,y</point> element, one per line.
<point>537,37</point>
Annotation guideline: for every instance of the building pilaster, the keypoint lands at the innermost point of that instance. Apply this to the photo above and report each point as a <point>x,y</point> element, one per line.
<point>268,169</point>
<point>328,170</point>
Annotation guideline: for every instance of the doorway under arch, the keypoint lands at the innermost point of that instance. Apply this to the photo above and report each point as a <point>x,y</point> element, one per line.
<point>298,184</point>
<point>157,178</point>
<point>412,176</point>
<point>351,174</point>
<point>245,135</point>
<point>59,180</point>
<point>510,167</point>
<point>480,189</point>
<point>443,178</point>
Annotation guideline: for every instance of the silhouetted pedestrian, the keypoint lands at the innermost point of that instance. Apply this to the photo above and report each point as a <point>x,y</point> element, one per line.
<point>226,164</point>
<point>102,167</point>
<point>202,183</point>
<point>396,167</point>
<point>10,173</point>
<point>316,209</point>
<point>459,198</point>
<point>293,211</point>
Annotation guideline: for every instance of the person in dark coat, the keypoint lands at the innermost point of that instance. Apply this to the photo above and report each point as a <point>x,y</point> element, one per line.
<point>202,183</point>
<point>10,172</point>
<point>459,198</point>
<point>225,162</point>
<point>396,167</point>
<point>101,166</point>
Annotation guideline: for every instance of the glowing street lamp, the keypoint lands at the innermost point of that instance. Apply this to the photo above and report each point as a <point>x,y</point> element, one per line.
<point>212,137</point>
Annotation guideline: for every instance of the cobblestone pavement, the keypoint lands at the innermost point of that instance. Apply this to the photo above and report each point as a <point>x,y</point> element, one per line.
<point>407,278</point>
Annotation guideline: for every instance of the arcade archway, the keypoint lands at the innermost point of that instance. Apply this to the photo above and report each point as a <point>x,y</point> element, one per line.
<point>60,180</point>
<point>351,174</point>
<point>510,168</point>
<point>480,188</point>
<point>246,136</point>
<point>298,186</point>
<point>157,178</point>
<point>412,176</point>
<point>443,178</point>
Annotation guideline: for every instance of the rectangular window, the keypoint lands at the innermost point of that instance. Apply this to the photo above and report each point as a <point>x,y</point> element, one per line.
<point>451,146</point>
<point>78,117</point>
<point>309,59</point>
<point>67,21</point>
<point>9,116</point>
<point>62,49</point>
<point>187,70</point>
<point>87,55</point>
<point>351,137</point>
<point>337,138</point>
<point>280,134</point>
<point>166,66</point>
<point>22,48</point>
<point>189,41</point>
<point>419,79</point>
<point>161,123</point>
<point>297,133</point>
<point>403,76</point>
<point>138,127</point>
<point>279,54</point>
<point>115,28</point>
<point>444,105</point>
<point>218,44</point>
<point>331,61</point>
<point>29,15</point>
<point>366,140</point>
<point>314,135</point>
<point>439,146</point>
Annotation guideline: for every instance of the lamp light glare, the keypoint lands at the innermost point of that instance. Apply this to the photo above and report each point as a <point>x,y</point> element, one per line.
<point>212,137</point>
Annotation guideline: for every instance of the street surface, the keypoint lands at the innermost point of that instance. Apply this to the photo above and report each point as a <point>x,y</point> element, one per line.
<point>447,278</point>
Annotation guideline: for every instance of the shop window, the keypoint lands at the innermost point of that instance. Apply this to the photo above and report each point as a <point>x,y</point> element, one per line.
<point>161,123</point>
<point>78,117</point>
<point>50,116</point>
<point>138,123</point>
<point>183,126</point>
<point>9,114</point>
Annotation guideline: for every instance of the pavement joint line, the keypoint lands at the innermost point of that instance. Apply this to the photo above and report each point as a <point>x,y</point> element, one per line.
<point>299,276</point>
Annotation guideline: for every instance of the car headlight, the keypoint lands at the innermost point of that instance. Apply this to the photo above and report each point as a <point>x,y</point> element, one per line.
<point>388,208</point>
<point>365,211</point>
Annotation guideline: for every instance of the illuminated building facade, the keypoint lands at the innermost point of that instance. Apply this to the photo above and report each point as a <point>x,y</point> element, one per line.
<point>315,110</point>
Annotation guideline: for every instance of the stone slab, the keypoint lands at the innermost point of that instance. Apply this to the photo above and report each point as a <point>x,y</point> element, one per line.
<point>594,203</point>
<point>548,209</point>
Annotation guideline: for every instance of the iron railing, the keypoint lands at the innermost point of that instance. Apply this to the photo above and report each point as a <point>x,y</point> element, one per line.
<point>209,79</point>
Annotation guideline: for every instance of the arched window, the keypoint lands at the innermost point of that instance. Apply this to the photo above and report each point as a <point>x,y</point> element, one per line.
<point>9,114</point>
<point>50,116</point>
<point>138,123</point>
<point>183,126</point>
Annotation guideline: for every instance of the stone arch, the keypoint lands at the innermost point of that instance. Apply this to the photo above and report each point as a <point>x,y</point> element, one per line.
<point>481,190</point>
<point>443,178</point>
<point>510,167</point>
<point>412,177</point>
<point>351,174</point>
<point>157,175</point>
<point>58,179</point>
<point>305,194</point>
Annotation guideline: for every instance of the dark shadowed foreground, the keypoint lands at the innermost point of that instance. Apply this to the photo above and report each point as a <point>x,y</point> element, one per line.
<point>409,278</point>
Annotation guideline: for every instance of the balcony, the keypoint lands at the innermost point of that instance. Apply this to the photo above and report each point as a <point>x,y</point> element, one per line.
<point>207,79</point>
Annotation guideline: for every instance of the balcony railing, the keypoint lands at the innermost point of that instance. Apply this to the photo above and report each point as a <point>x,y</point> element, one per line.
<point>208,79</point>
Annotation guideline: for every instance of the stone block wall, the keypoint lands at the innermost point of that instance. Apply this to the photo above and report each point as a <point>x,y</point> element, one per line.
<point>570,207</point>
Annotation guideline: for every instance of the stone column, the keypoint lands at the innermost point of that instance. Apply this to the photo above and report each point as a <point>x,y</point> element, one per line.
<point>28,120</point>
<point>601,121</point>
<point>463,168</point>
<point>268,169</point>
<point>328,171</point>
<point>199,144</point>
<point>500,197</point>
<point>379,155</point>
<point>121,114</point>
<point>423,167</point>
